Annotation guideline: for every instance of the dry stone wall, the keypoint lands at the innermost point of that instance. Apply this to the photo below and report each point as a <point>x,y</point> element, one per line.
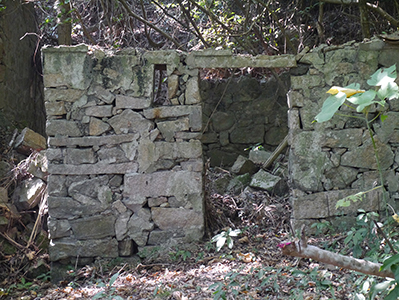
<point>126,152</point>
<point>125,168</point>
<point>335,159</point>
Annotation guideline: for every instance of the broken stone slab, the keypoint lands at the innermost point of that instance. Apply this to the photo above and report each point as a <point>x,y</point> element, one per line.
<point>139,227</point>
<point>264,180</point>
<point>95,227</point>
<point>98,127</point>
<point>129,121</point>
<point>29,141</point>
<point>29,193</point>
<point>243,165</point>
<point>101,93</point>
<point>68,247</point>
<point>169,128</point>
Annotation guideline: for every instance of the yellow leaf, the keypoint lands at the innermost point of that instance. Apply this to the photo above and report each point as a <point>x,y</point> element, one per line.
<point>349,92</point>
<point>396,218</point>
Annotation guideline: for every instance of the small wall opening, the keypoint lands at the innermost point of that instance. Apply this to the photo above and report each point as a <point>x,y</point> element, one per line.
<point>160,92</point>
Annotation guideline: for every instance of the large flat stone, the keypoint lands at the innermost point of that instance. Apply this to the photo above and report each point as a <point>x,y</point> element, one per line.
<point>96,227</point>
<point>67,207</point>
<point>123,101</point>
<point>62,127</point>
<point>66,248</point>
<point>93,140</point>
<point>176,218</point>
<point>164,183</point>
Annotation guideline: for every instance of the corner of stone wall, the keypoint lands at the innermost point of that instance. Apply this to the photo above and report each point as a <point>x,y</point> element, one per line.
<point>332,160</point>
<point>124,173</point>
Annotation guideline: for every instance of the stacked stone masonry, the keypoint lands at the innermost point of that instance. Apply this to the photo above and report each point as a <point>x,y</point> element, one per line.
<point>332,160</point>
<point>125,173</point>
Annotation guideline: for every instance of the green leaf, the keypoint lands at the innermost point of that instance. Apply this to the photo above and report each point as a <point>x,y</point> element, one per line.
<point>385,80</point>
<point>383,117</point>
<point>388,91</point>
<point>99,295</point>
<point>218,236</point>
<point>113,278</point>
<point>363,100</point>
<point>220,242</point>
<point>330,106</point>
<point>381,76</point>
<point>379,287</point>
<point>394,294</point>
<point>230,242</point>
<point>235,232</point>
<point>390,261</point>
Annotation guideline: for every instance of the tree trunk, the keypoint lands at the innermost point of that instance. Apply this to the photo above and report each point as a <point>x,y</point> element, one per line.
<point>64,22</point>
<point>364,19</point>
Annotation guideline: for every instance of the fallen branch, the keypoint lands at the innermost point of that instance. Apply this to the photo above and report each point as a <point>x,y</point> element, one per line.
<point>302,249</point>
<point>276,153</point>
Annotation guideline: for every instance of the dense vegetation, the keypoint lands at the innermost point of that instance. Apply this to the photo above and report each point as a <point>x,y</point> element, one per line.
<point>246,26</point>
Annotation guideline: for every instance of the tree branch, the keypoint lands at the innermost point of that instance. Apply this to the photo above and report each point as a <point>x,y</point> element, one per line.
<point>149,24</point>
<point>347,2</point>
<point>274,16</point>
<point>383,13</point>
<point>190,20</point>
<point>302,249</point>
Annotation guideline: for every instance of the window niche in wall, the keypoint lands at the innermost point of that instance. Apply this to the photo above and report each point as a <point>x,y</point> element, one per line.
<point>160,92</point>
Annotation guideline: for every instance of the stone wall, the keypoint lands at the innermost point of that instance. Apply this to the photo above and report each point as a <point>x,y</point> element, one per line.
<point>335,159</point>
<point>125,156</point>
<point>126,148</point>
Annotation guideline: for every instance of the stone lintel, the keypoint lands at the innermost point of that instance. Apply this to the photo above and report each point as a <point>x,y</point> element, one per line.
<point>240,61</point>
